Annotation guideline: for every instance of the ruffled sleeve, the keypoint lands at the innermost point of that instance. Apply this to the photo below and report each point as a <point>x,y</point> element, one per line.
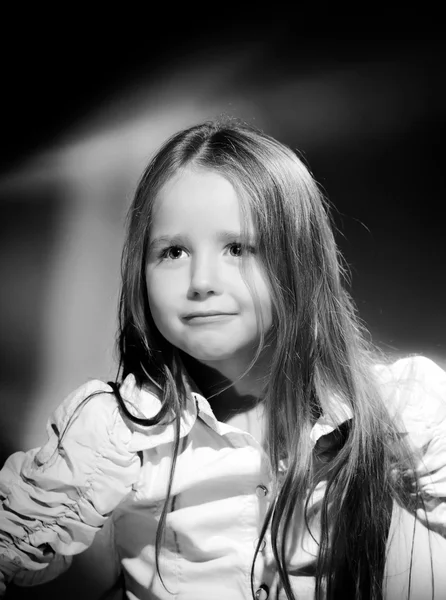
<point>416,391</point>
<point>54,499</point>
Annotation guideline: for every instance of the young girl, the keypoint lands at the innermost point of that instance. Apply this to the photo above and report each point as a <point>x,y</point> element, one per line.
<point>254,446</point>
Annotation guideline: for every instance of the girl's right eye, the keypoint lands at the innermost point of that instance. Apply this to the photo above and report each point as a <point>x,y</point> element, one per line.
<point>172,252</point>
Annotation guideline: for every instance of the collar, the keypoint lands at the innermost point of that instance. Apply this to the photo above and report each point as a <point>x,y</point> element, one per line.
<point>143,402</point>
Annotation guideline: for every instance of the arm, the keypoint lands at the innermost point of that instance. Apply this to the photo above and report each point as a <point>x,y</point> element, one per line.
<point>423,398</point>
<point>53,500</point>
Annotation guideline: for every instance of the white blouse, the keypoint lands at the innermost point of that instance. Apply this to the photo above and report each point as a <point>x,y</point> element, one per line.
<point>110,476</point>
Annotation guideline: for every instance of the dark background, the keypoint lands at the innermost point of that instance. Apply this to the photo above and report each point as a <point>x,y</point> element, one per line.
<point>367,112</point>
<point>391,180</point>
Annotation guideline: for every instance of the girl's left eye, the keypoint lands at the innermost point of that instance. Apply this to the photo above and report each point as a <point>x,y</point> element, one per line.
<point>235,249</point>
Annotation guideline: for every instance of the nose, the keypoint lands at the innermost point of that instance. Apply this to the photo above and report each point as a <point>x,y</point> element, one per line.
<point>205,277</point>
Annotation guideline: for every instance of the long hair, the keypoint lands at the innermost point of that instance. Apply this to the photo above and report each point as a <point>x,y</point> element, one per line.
<point>319,351</point>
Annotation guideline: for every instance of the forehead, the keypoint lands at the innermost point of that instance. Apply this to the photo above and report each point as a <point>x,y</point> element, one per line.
<point>197,199</point>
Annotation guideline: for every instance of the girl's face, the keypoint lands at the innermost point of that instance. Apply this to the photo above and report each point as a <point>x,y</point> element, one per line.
<point>198,298</point>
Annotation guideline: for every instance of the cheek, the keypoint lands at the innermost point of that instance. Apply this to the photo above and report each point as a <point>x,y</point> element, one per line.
<point>162,294</point>
<point>160,314</point>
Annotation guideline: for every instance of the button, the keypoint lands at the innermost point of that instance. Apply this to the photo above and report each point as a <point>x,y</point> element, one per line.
<point>262,593</point>
<point>262,545</point>
<point>261,491</point>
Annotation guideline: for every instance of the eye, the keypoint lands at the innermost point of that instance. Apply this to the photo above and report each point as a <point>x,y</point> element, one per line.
<point>172,253</point>
<point>235,249</point>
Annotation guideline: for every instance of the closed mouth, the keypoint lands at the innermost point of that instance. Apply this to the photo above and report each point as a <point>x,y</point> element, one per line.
<point>205,315</point>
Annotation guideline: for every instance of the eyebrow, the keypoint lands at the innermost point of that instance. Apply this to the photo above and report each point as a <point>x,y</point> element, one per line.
<point>180,239</point>
<point>163,240</point>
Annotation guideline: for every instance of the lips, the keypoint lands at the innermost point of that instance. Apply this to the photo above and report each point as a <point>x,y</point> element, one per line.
<point>210,313</point>
<point>206,317</point>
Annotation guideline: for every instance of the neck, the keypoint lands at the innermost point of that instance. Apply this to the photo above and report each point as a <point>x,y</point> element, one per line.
<point>225,385</point>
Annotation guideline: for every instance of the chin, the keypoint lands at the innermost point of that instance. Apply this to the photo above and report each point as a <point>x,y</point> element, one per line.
<point>210,354</point>
<point>207,357</point>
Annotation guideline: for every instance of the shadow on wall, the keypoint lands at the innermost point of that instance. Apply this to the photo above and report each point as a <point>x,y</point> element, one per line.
<point>28,232</point>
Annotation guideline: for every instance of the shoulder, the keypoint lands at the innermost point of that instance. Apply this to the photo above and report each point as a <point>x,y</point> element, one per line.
<point>86,417</point>
<point>93,400</point>
<point>96,401</point>
<point>410,367</point>
<point>93,416</point>
<point>414,390</point>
